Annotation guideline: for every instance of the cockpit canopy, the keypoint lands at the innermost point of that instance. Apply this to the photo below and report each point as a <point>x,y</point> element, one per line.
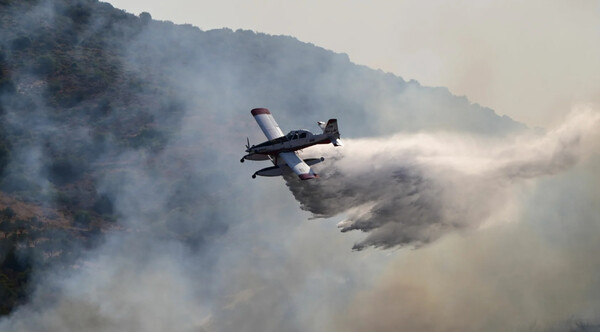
<point>296,134</point>
<point>292,135</point>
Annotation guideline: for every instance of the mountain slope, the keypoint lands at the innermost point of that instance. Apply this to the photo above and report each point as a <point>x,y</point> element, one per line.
<point>108,119</point>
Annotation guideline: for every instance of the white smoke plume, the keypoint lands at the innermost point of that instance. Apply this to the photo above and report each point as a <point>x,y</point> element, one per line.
<point>412,189</point>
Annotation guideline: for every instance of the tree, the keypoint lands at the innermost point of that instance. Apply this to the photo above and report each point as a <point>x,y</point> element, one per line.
<point>8,212</point>
<point>44,65</point>
<point>82,218</point>
<point>6,227</point>
<point>145,17</point>
<point>21,43</point>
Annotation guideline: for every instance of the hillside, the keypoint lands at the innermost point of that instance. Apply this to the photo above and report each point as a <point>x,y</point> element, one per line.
<point>109,118</point>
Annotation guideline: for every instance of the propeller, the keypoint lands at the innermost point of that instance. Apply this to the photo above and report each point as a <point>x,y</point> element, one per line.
<point>247,149</point>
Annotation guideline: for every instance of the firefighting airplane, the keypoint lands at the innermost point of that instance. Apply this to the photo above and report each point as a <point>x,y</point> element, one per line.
<point>281,150</point>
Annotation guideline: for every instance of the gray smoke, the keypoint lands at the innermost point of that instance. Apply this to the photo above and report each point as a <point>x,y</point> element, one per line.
<point>197,245</point>
<point>412,189</point>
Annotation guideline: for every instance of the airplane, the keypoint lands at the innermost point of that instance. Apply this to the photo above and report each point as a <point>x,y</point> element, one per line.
<point>281,149</point>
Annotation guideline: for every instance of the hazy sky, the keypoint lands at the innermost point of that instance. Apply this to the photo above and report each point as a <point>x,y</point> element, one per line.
<point>532,60</point>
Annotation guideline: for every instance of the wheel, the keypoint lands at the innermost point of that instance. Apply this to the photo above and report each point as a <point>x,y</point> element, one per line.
<point>254,176</point>
<point>242,160</point>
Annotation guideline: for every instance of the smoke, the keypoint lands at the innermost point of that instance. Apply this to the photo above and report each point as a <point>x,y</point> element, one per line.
<point>145,289</point>
<point>412,189</point>
<point>196,244</point>
<point>539,273</point>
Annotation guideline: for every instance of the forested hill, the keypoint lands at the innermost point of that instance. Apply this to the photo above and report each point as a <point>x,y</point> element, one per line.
<point>108,118</point>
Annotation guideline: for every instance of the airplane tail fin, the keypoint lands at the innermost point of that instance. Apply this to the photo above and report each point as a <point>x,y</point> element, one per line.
<point>331,129</point>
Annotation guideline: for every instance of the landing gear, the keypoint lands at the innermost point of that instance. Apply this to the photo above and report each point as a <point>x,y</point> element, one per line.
<point>242,160</point>
<point>254,176</point>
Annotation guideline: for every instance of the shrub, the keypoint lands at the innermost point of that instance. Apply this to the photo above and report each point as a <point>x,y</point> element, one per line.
<point>79,13</point>
<point>64,170</point>
<point>103,205</point>
<point>21,43</point>
<point>44,65</point>
<point>8,212</point>
<point>82,218</point>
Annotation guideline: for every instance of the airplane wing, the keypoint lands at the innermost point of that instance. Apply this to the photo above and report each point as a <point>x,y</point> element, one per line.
<point>267,123</point>
<point>297,165</point>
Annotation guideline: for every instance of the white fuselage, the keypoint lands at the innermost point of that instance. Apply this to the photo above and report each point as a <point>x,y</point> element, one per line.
<point>293,141</point>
